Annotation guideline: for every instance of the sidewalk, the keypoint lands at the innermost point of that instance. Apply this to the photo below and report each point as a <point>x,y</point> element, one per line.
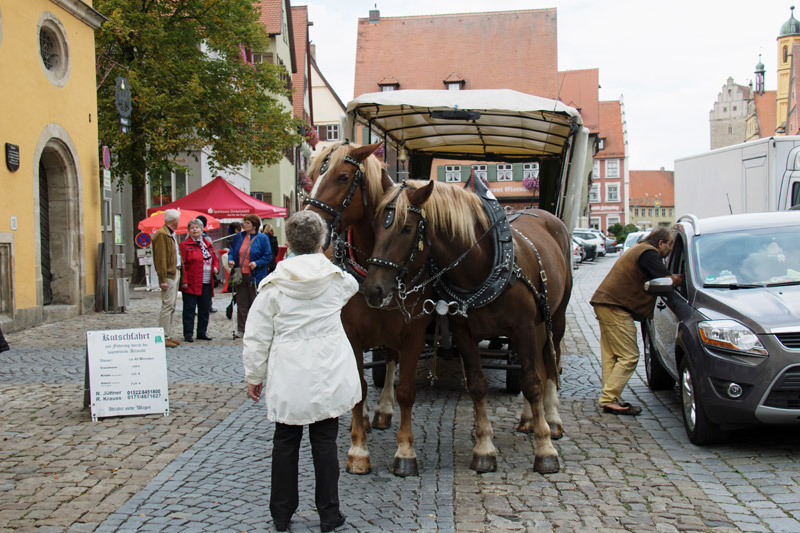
<point>206,466</point>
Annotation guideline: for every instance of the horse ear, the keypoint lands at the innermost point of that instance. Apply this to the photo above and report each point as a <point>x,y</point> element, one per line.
<point>420,196</point>
<point>365,151</point>
<point>386,181</point>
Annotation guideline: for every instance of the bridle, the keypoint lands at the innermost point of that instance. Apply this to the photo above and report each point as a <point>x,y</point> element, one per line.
<point>359,180</point>
<point>420,239</point>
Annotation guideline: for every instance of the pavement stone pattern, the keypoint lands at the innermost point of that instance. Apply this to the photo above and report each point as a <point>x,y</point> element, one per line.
<point>206,466</point>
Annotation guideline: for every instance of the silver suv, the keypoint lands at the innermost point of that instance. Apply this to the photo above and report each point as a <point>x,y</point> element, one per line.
<point>730,334</point>
<point>595,238</point>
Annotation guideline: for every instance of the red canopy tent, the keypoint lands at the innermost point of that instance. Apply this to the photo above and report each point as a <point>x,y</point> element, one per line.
<point>224,201</point>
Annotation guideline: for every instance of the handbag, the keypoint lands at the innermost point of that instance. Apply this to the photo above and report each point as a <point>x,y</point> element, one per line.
<point>236,274</point>
<point>229,310</point>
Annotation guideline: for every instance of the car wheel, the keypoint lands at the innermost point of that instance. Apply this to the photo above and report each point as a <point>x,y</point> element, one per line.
<point>657,377</point>
<point>700,429</point>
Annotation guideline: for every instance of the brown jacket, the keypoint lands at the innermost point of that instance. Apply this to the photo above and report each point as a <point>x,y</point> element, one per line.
<point>624,285</point>
<point>165,257</point>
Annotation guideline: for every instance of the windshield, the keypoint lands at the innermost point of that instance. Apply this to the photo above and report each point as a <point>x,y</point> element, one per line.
<point>757,257</point>
<point>632,238</point>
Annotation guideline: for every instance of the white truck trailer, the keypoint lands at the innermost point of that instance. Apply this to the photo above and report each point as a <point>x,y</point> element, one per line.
<point>752,177</point>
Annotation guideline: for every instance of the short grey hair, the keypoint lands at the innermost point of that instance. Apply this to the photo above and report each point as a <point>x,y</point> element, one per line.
<point>195,222</point>
<point>171,214</point>
<point>305,232</point>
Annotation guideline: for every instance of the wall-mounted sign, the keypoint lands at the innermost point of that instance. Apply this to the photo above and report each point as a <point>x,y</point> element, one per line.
<point>143,240</point>
<point>127,372</point>
<point>106,158</point>
<point>12,157</point>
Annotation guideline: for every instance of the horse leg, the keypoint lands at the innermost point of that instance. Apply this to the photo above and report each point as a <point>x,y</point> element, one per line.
<point>405,458</point>
<point>358,455</point>
<point>484,454</point>
<point>385,407</point>
<point>533,367</point>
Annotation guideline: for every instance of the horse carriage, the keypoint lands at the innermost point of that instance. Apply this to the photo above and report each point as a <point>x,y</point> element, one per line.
<point>424,249</point>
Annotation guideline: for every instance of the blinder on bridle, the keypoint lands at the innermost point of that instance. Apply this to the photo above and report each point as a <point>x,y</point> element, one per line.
<point>359,180</point>
<point>422,234</point>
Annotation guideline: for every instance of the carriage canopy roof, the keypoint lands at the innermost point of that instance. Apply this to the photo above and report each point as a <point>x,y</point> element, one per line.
<point>439,123</point>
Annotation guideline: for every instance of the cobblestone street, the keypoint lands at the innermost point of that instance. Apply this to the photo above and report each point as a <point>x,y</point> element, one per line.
<point>206,466</point>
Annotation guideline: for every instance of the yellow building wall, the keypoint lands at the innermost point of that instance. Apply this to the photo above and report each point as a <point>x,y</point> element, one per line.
<point>784,71</point>
<point>31,110</point>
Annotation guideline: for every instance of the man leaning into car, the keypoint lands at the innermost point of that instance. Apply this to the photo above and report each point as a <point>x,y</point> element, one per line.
<point>618,302</point>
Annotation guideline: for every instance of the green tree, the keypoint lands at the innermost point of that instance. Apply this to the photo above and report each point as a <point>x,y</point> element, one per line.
<point>191,87</point>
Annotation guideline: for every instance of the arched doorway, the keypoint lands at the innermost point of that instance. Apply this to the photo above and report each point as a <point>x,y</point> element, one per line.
<point>59,226</point>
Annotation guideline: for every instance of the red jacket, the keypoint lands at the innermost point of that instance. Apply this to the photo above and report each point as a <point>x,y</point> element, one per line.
<point>192,259</point>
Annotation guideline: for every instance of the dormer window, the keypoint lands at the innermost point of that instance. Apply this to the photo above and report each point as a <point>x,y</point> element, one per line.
<point>454,82</point>
<point>389,83</point>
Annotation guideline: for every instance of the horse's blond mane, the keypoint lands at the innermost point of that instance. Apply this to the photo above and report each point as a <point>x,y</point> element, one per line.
<point>372,167</point>
<point>450,208</point>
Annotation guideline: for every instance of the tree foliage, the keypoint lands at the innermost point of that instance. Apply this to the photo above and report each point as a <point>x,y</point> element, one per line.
<point>191,88</point>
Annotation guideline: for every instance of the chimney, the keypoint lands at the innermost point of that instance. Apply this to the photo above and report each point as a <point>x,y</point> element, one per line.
<point>374,15</point>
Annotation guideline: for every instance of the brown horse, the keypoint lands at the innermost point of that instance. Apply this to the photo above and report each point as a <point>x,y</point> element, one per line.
<point>348,184</point>
<point>423,219</point>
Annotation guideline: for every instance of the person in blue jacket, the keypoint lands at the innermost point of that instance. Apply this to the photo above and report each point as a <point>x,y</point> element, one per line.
<point>250,251</point>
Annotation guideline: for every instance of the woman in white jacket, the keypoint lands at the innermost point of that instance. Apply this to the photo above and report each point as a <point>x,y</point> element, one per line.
<point>295,339</point>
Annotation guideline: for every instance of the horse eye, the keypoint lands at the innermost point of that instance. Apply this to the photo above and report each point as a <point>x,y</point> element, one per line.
<point>344,177</point>
<point>406,229</point>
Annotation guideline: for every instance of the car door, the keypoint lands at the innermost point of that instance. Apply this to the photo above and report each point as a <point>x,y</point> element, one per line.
<point>669,310</point>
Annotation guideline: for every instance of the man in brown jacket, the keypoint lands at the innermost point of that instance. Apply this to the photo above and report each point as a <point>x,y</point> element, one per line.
<point>167,261</point>
<point>618,302</point>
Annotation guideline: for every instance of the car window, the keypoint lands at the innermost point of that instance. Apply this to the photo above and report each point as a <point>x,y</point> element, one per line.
<point>676,263</point>
<point>750,257</point>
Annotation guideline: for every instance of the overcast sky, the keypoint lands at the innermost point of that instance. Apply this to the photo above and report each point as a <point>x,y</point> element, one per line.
<point>668,60</point>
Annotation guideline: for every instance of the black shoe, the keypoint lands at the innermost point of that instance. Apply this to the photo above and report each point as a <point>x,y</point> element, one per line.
<point>330,526</point>
<point>204,337</point>
<point>212,310</point>
<point>280,526</point>
<point>188,339</point>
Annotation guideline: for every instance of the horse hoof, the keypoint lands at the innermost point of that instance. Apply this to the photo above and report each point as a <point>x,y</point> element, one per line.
<point>358,465</point>
<point>556,431</point>
<point>546,465</point>
<point>382,421</point>
<point>484,463</point>
<point>405,466</point>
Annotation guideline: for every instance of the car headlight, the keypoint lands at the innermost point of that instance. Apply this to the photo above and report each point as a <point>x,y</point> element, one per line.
<point>730,335</point>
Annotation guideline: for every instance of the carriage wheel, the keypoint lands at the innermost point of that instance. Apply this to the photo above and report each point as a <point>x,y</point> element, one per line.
<point>379,371</point>
<point>513,375</point>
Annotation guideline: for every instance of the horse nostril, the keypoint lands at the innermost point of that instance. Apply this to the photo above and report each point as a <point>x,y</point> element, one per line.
<point>375,296</point>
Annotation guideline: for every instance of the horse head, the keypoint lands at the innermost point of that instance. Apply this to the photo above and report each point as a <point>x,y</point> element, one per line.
<point>402,241</point>
<point>345,176</point>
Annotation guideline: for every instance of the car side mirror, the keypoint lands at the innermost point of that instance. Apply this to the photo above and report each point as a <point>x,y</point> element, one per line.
<point>659,286</point>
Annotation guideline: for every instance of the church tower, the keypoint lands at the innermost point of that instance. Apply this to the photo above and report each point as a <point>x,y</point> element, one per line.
<point>789,35</point>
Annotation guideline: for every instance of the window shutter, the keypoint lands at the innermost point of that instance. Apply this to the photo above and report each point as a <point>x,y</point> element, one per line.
<point>440,173</point>
<point>516,171</point>
<point>322,131</point>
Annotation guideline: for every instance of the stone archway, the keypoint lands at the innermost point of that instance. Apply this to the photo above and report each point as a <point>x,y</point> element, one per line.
<point>59,226</point>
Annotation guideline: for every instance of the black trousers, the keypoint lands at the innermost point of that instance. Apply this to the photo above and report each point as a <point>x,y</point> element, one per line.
<point>283,497</point>
<point>245,296</point>
<point>201,304</point>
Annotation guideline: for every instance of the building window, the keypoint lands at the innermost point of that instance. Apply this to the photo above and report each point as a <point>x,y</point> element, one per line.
<point>328,132</point>
<point>724,109</point>
<point>480,172</point>
<point>611,220</point>
<point>650,211</point>
<point>612,192</point>
<point>670,211</point>
<point>530,170</point>
<point>594,222</point>
<point>452,173</point>
<point>734,108</point>
<point>387,88</point>
<point>258,195</point>
<point>636,212</point>
<point>785,54</point>
<point>505,172</point>
<point>730,129</point>
<point>453,86</point>
<point>612,168</point>
<point>594,193</point>
<point>596,169</point>
<point>53,49</point>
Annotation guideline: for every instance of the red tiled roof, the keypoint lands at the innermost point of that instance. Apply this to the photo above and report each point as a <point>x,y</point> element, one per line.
<point>498,50</point>
<point>300,76</point>
<point>270,15</point>
<point>646,185</point>
<point>580,89</point>
<point>766,113</point>
<point>611,130</point>
<point>388,80</point>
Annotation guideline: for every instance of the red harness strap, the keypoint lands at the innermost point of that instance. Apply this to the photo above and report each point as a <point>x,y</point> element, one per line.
<point>353,261</point>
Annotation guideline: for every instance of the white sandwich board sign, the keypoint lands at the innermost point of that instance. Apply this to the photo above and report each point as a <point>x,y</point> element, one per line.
<point>127,372</point>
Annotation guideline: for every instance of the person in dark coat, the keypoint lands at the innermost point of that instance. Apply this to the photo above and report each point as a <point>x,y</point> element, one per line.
<point>250,251</point>
<point>273,244</point>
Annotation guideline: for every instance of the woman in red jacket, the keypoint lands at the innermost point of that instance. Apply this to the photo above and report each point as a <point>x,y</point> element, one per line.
<point>200,265</point>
